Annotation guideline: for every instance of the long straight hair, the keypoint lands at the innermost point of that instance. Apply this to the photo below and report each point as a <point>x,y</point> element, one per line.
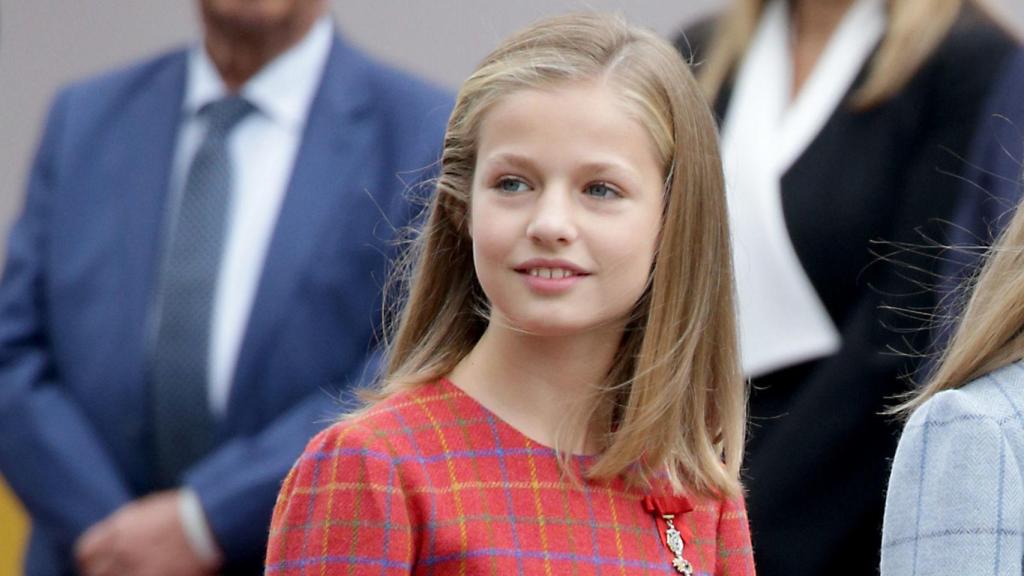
<point>915,29</point>
<point>673,402</point>
<point>990,333</point>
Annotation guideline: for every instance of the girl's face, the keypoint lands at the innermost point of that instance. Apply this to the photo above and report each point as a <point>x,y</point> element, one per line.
<point>565,209</point>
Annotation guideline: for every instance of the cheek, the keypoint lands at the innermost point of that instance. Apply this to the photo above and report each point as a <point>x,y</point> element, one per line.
<point>494,228</point>
<point>630,262</point>
<point>630,257</point>
<point>491,242</point>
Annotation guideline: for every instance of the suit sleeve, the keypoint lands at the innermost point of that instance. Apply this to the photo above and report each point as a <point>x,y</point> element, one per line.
<point>342,510</point>
<point>49,452</point>
<point>237,484</point>
<point>955,503</point>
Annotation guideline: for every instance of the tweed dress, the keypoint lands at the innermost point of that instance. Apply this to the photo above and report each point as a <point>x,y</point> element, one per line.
<point>431,482</point>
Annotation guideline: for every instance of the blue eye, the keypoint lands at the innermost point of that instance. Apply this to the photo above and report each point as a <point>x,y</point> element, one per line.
<point>511,185</point>
<point>601,190</point>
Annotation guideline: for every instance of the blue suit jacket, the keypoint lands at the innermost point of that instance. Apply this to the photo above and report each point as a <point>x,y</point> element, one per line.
<point>79,281</point>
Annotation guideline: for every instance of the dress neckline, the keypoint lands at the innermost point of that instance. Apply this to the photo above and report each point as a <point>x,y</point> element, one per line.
<point>504,425</point>
<point>468,404</point>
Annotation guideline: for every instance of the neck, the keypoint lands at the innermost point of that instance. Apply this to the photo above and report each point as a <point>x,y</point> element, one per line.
<point>239,53</point>
<point>818,18</point>
<point>534,382</point>
<point>812,23</point>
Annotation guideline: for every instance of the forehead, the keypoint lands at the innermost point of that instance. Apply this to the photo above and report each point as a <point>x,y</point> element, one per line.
<point>589,118</point>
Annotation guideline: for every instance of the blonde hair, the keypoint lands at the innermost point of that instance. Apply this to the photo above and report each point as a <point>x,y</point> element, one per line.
<point>915,29</point>
<point>990,333</point>
<point>673,402</point>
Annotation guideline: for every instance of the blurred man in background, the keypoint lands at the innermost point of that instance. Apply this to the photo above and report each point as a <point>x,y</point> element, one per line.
<point>193,280</point>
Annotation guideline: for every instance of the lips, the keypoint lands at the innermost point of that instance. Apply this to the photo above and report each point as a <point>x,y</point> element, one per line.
<point>553,273</point>
<point>550,269</point>
<point>550,277</point>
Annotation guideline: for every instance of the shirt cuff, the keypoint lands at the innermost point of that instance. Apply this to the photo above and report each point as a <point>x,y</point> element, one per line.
<point>197,531</point>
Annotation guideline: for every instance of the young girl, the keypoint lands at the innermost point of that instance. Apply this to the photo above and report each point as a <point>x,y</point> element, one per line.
<point>563,393</point>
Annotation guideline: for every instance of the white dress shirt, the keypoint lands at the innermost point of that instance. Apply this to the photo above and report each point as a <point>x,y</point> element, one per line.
<point>262,149</point>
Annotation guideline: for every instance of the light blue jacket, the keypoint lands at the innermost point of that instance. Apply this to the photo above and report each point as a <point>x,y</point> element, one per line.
<point>956,496</point>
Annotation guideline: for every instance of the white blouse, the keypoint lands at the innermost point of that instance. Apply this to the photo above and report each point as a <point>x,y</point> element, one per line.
<point>782,321</point>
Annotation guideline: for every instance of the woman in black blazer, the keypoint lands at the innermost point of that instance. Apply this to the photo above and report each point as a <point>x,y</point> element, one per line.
<point>844,128</point>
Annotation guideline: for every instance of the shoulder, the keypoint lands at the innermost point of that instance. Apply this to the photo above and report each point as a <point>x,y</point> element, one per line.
<point>733,550</point>
<point>733,524</point>
<point>384,446</point>
<point>995,158</point>
<point>402,95</point>
<point>954,441</point>
<point>977,33</point>
<point>109,90</point>
<point>347,448</point>
<point>348,460</point>
<point>349,476</point>
<point>406,115</point>
<point>956,471</point>
<point>369,433</point>
<point>1005,104</point>
<point>972,55</point>
<point>997,397</point>
<point>981,413</point>
<point>86,109</point>
<point>402,426</point>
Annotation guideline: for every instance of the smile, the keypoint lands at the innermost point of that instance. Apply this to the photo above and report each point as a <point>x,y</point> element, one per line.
<point>553,273</point>
<point>550,277</point>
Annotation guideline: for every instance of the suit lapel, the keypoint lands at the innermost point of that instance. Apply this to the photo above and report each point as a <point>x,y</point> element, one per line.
<point>143,171</point>
<point>326,168</point>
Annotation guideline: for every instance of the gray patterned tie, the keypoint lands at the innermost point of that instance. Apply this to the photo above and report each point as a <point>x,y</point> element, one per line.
<point>182,423</point>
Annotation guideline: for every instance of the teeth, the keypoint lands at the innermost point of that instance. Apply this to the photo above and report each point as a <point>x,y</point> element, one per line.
<point>555,273</point>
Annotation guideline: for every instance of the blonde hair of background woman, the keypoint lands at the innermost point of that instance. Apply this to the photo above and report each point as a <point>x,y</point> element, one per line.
<point>990,333</point>
<point>673,403</point>
<point>916,27</point>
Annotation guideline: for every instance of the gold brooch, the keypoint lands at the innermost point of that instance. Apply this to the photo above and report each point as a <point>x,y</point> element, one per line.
<point>674,541</point>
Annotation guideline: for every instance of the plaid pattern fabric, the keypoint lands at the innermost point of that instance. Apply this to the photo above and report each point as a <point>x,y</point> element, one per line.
<point>430,482</point>
<point>956,494</point>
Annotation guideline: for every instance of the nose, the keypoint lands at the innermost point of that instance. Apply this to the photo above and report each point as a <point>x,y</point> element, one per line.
<point>553,221</point>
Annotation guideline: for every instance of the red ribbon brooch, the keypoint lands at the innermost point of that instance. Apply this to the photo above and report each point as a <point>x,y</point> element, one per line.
<point>668,507</point>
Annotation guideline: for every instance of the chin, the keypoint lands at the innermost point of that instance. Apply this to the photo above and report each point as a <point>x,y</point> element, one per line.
<point>553,326</point>
<point>247,16</point>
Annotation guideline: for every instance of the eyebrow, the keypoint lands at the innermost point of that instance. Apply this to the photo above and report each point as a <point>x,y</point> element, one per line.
<point>509,158</point>
<point>599,166</point>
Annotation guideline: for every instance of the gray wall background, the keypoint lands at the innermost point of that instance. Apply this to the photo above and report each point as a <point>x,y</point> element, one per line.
<point>47,43</point>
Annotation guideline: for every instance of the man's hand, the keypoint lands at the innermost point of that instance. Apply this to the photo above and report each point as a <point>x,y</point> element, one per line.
<point>142,538</point>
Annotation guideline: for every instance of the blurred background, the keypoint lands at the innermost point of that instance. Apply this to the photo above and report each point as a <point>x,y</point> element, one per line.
<point>47,43</point>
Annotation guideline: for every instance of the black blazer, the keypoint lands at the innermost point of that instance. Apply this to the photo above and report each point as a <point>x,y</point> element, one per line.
<point>871,183</point>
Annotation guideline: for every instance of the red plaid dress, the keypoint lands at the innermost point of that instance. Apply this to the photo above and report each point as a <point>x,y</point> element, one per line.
<point>431,482</point>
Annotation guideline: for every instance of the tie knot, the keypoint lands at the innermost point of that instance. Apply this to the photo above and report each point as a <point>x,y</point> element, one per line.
<point>223,114</point>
